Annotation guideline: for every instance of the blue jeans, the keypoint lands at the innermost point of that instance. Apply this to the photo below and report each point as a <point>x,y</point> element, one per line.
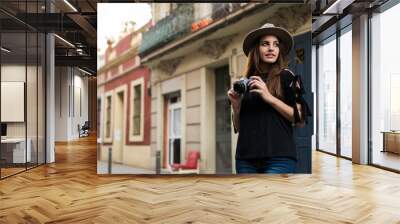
<point>276,165</point>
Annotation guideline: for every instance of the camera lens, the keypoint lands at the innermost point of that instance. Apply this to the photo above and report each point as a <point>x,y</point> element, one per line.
<point>239,87</point>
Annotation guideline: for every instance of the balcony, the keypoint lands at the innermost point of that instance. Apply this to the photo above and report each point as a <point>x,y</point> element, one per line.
<point>216,12</point>
<point>173,26</point>
<point>220,10</point>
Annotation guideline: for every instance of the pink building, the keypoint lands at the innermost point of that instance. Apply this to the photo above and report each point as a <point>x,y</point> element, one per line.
<point>124,106</point>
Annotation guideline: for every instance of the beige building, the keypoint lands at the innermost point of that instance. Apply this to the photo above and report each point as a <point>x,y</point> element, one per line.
<point>192,69</point>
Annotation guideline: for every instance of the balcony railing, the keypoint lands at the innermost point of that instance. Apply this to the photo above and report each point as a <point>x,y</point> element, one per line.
<point>217,12</point>
<point>220,10</point>
<point>173,26</point>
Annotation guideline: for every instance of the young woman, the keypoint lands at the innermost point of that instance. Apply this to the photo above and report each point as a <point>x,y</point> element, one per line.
<point>265,115</point>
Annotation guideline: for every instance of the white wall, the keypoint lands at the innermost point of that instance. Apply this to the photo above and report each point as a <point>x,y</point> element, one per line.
<point>61,106</point>
<point>159,11</point>
<point>82,83</point>
<point>69,85</point>
<point>12,73</point>
<point>33,126</point>
<point>202,10</point>
<point>16,73</point>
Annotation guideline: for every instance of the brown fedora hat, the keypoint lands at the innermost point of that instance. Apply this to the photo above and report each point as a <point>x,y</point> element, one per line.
<point>283,35</point>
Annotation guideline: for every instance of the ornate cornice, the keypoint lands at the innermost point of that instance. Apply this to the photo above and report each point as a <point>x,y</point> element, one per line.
<point>216,47</point>
<point>129,54</point>
<point>291,17</point>
<point>169,66</point>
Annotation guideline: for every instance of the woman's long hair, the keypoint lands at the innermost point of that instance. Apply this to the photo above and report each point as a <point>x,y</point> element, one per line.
<point>272,74</point>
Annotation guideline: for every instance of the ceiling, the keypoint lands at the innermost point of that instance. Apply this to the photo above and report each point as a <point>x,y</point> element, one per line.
<point>334,14</point>
<point>74,22</point>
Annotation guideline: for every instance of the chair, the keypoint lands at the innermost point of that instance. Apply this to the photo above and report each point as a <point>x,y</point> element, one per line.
<point>84,130</point>
<point>192,164</point>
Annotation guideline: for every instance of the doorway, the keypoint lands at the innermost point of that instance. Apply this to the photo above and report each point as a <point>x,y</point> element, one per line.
<point>174,129</point>
<point>223,149</point>
<point>118,140</point>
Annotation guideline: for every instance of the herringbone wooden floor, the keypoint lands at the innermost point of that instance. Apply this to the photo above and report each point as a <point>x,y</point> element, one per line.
<point>70,191</point>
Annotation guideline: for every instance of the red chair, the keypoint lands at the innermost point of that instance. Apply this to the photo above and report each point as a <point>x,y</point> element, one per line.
<point>192,164</point>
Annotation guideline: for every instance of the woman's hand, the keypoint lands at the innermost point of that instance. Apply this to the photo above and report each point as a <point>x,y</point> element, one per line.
<point>235,99</point>
<point>257,85</point>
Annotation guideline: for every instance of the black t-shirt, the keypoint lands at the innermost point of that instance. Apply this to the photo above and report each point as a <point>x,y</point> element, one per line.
<point>265,133</point>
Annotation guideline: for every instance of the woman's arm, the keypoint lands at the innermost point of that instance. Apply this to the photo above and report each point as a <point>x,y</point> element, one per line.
<point>259,86</point>
<point>235,118</point>
<point>285,110</point>
<point>235,100</point>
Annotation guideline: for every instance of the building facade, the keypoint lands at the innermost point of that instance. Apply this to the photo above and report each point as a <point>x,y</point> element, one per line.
<point>193,64</point>
<point>124,105</point>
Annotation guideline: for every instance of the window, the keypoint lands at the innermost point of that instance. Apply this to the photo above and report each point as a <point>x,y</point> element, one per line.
<point>394,102</point>
<point>137,110</point>
<point>99,116</point>
<point>108,117</point>
<point>385,88</point>
<point>327,95</point>
<point>346,93</point>
<point>335,108</point>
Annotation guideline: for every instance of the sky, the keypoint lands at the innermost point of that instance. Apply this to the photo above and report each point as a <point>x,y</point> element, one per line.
<point>111,18</point>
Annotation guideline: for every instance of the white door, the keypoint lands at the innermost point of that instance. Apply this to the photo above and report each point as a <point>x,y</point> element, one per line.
<point>174,132</point>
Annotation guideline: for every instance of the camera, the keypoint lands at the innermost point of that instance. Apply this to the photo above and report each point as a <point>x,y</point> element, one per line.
<point>242,86</point>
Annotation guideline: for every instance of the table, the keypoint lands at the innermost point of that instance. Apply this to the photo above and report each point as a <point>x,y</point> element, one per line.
<point>13,150</point>
<point>391,141</point>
